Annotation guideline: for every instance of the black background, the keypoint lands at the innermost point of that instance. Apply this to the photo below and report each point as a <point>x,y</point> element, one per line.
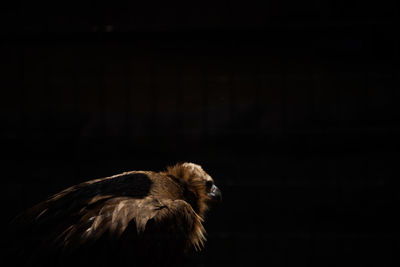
<point>290,106</point>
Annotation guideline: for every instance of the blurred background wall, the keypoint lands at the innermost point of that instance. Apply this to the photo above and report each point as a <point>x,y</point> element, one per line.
<point>291,107</point>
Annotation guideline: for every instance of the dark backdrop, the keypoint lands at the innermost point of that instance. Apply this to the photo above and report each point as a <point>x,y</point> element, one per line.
<point>291,107</point>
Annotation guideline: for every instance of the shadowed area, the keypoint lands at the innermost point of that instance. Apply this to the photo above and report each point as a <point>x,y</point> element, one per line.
<point>293,105</point>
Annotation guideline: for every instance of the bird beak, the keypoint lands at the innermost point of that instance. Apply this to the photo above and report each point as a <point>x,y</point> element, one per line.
<point>215,194</point>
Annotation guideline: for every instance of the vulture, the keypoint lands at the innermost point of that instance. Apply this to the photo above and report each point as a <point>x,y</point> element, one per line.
<point>136,218</point>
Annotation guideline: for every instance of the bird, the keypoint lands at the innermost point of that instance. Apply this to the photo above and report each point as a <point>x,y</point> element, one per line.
<point>135,218</point>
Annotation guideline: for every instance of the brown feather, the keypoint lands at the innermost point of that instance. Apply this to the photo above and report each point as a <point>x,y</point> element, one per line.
<point>171,204</point>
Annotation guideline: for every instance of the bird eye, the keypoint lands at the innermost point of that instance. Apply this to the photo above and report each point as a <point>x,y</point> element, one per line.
<point>209,184</point>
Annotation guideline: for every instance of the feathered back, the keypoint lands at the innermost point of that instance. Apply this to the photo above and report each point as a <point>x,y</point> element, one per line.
<point>155,216</point>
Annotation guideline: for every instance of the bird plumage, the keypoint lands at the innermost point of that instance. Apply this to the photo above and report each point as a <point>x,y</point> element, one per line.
<point>151,216</point>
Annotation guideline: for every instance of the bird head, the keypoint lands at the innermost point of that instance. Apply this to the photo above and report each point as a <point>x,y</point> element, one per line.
<point>199,187</point>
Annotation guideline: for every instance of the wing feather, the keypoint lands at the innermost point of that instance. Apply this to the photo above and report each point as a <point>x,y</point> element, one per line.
<point>119,215</point>
<point>113,216</point>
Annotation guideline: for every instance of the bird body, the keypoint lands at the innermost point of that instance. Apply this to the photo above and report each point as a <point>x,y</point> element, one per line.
<point>138,218</point>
